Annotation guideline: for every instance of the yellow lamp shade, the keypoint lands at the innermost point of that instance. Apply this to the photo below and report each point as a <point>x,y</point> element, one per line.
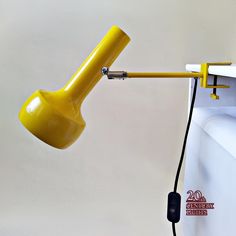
<point>55,117</point>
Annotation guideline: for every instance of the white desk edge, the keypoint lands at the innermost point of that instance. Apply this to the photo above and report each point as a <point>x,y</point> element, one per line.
<point>229,71</point>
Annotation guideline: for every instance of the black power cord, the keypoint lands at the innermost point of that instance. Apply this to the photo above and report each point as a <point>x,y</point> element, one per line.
<point>173,229</point>
<point>174,198</point>
<point>186,135</point>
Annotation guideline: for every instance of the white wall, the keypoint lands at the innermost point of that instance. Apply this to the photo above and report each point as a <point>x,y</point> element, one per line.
<point>114,180</point>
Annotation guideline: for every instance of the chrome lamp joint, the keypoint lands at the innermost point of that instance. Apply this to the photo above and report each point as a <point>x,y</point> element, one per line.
<point>114,74</point>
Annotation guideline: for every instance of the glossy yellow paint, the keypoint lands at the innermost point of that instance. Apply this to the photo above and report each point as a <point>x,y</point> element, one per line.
<point>163,74</point>
<point>214,96</point>
<point>205,73</point>
<point>55,117</point>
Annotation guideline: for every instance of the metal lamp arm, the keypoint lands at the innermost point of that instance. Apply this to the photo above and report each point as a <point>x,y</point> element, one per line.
<point>202,75</point>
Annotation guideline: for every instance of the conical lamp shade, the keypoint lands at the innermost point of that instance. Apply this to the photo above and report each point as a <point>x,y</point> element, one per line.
<point>55,117</point>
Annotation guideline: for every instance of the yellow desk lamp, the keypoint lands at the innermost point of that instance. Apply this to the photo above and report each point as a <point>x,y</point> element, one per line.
<point>55,117</point>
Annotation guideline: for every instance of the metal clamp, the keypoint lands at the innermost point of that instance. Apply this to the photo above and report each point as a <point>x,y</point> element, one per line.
<point>204,71</point>
<point>204,78</point>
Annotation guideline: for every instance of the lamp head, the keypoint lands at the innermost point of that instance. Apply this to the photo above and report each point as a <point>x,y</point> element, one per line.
<point>55,117</point>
